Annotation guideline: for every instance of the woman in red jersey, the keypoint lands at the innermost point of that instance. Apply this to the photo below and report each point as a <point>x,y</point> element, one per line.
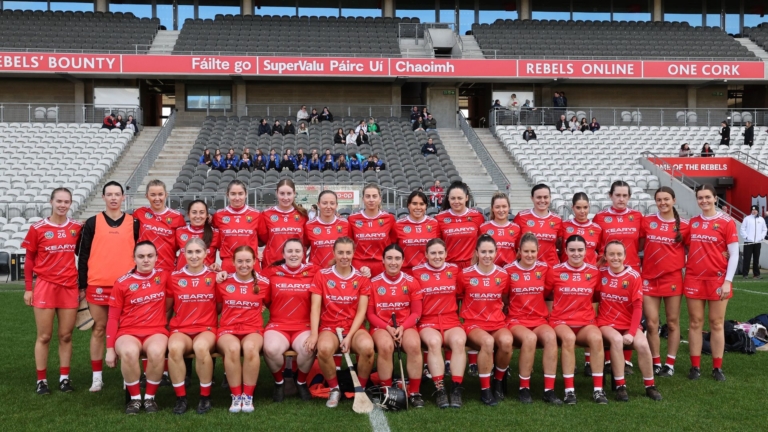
<point>279,223</point>
<point>619,314</point>
<point>158,224</point>
<point>459,225</point>
<point>51,245</point>
<point>199,226</point>
<point>484,292</point>
<point>439,325</point>
<point>396,295</point>
<point>340,300</point>
<point>544,224</point>
<point>412,232</point>
<point>708,278</point>
<point>664,258</point>
<point>192,298</point>
<point>238,224</point>
<point>580,224</point>
<point>137,326</point>
<point>321,233</point>
<point>371,229</point>
<point>505,233</point>
<point>527,318</point>
<point>289,305</point>
<point>573,286</point>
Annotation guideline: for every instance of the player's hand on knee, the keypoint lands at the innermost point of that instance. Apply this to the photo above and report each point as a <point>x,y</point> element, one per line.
<point>628,339</point>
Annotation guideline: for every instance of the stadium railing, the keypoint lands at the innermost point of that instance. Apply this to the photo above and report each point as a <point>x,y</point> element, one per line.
<point>43,112</point>
<point>738,155</point>
<point>149,157</point>
<point>290,110</point>
<point>497,175</point>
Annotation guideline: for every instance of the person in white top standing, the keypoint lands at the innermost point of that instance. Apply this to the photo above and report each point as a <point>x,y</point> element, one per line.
<point>753,231</point>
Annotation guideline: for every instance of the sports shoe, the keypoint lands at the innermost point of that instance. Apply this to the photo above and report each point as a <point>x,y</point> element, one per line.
<point>42,388</point>
<point>666,372</point>
<point>570,398</point>
<point>486,396</point>
<point>694,373</point>
<point>497,386</point>
<point>303,391</point>
<point>65,386</point>
<point>621,394</point>
<point>599,397</point>
<point>473,370</point>
<point>96,386</point>
<point>426,373</point>
<point>133,407</point>
<point>150,406</point>
<point>237,404</point>
<point>657,369</point>
<point>628,368</point>
<point>652,393</point>
<point>247,403</point>
<point>415,401</point>
<point>587,370</point>
<point>333,398</point>
<point>165,381</point>
<point>549,397</point>
<point>456,401</point>
<point>278,394</point>
<point>181,405</point>
<point>718,374</point>
<point>441,398</point>
<point>525,395</point>
<point>204,405</point>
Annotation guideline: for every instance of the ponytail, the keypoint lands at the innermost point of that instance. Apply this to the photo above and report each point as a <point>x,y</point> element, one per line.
<point>246,248</point>
<point>288,182</point>
<point>678,234</point>
<point>207,228</point>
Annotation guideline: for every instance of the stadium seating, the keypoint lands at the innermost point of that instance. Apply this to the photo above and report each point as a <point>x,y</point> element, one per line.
<point>537,38</point>
<point>283,35</point>
<point>76,31</point>
<point>758,35</point>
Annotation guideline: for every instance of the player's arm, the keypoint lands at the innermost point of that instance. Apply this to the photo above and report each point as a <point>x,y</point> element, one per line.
<point>30,244</point>
<point>84,252</point>
<point>314,322</point>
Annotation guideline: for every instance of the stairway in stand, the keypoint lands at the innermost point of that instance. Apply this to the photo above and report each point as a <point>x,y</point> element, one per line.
<point>519,189</point>
<point>468,165</point>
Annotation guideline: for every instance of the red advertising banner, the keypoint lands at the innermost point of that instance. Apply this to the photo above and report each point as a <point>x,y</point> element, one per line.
<point>704,70</point>
<point>323,66</point>
<point>189,65</point>
<point>580,69</point>
<point>698,166</point>
<point>453,68</point>
<point>50,62</point>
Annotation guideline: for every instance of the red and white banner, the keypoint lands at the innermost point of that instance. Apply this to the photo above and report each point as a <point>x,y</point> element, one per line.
<point>697,166</point>
<point>131,64</point>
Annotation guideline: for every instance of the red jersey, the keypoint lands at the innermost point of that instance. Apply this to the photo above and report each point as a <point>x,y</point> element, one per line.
<point>506,237</point>
<point>413,236</point>
<point>624,226</point>
<point>526,295</point>
<point>194,301</point>
<point>141,302</point>
<point>53,247</point>
<point>187,232</point>
<point>662,254</point>
<point>574,291</point>
<point>620,294</point>
<point>482,296</point>
<point>546,229</point>
<point>708,240</point>
<point>591,232</point>
<point>394,296</point>
<point>438,289</point>
<point>160,229</point>
<point>238,228</point>
<point>371,235</point>
<point>278,226</point>
<point>340,297</point>
<point>460,233</point>
<point>241,310</point>
<point>320,238</point>
<point>289,298</point>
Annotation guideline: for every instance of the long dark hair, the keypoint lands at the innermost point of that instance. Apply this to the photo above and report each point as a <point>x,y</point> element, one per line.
<point>540,186</point>
<point>669,190</point>
<point>619,183</point>
<point>455,185</point>
<point>578,196</point>
<point>246,248</point>
<point>288,182</point>
<point>207,228</point>
<point>484,238</point>
<point>138,245</point>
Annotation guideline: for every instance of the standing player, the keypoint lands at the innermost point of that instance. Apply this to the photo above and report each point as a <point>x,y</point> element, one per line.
<point>137,322</point>
<point>412,232</point>
<point>580,224</point>
<point>505,233</point>
<point>238,224</point>
<point>241,297</point>
<point>191,297</point>
<point>664,233</point>
<point>51,246</point>
<point>371,229</point>
<point>573,285</point>
<point>621,308</point>
<point>289,304</point>
<point>484,292</point>
<point>279,223</point>
<point>708,278</point>
<point>527,318</point>
<point>544,224</point>
<point>321,233</point>
<point>158,224</point>
<point>397,294</point>
<point>340,300</point>
<point>199,226</point>
<point>106,253</point>
<point>459,225</point>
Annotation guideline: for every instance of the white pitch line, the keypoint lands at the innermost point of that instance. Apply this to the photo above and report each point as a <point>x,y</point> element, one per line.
<point>378,420</point>
<point>750,291</point>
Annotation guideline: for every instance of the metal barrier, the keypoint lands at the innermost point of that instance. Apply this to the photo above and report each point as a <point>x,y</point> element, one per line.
<point>142,169</point>
<point>497,175</point>
<point>290,110</point>
<point>42,112</point>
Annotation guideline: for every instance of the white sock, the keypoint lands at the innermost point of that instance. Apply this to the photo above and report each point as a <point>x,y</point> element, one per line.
<point>42,380</point>
<point>97,376</point>
<point>63,377</point>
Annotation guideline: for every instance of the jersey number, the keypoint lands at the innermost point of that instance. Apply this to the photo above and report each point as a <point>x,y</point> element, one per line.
<point>614,283</point>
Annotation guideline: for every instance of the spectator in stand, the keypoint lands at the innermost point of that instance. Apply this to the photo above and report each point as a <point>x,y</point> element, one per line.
<point>109,122</point>
<point>706,151</point>
<point>119,123</point>
<point>287,164</point>
<point>380,165</point>
<point>277,128</point>
<point>428,148</point>
<point>314,163</point>
<point>273,163</point>
<point>246,163</point>
<point>557,101</point>
<point>430,123</point>
<point>418,125</point>
<point>259,153</point>
<point>725,134</point>
<point>685,151</point>
<point>415,114</point>
<point>361,126</point>
<point>529,134</point>
<point>289,129</point>
<point>328,163</point>
<point>424,113</point>
<point>496,105</point>
<point>574,124</point>
<point>300,159</point>
<point>259,164</point>
<point>342,164</point>
<point>312,213</point>
<point>303,129</point>
<point>351,137</point>
<point>231,162</point>
<point>369,165</point>
<point>373,127</point>
<point>565,99</point>
<point>362,137</point>
<point>594,126</point>
<point>132,125</point>
<point>326,115</point>
<point>513,104</point>
<point>313,154</point>
<point>314,117</point>
<point>218,163</point>
<point>753,232</point>
<point>584,126</point>
<point>749,134</point>
<point>354,163</point>
<point>302,115</point>
<point>340,138</point>
<point>206,158</point>
<point>562,124</point>
<point>264,128</point>
<point>436,194</point>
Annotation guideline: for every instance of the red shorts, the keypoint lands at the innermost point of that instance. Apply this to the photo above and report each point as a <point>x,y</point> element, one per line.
<point>142,337</point>
<point>440,323</point>
<point>529,324</point>
<point>194,332</point>
<point>462,264</point>
<point>98,295</point>
<point>47,295</point>
<point>666,285</point>
<point>376,266</point>
<point>228,266</point>
<point>290,335</point>
<point>488,327</point>
<point>240,333</point>
<point>704,289</point>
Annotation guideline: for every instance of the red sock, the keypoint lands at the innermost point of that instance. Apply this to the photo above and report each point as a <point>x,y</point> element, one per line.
<point>657,361</point>
<point>414,385</point>
<point>717,363</point>
<point>597,380</point>
<point>236,391</point>
<point>144,364</point>
<point>41,374</point>
<point>96,365</point>
<point>363,382</point>
<point>670,360</point>
<point>628,355</point>
<point>448,355</point>
<point>64,370</point>
<point>205,390</point>
<point>180,389</point>
<point>568,381</point>
<point>696,361</point>
<point>457,380</point>
<point>279,375</point>
<point>425,356</point>
<point>151,388</point>
<point>525,382</point>
<point>620,381</point>
<point>472,356</point>
<point>333,382</point>
<point>648,382</point>
<point>549,382</point>
<point>337,361</point>
<point>249,389</point>
<point>498,374</point>
<point>301,377</point>
<point>485,381</point>
<point>133,389</point>
<point>437,378</point>
<point>386,382</point>
<point>586,357</point>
